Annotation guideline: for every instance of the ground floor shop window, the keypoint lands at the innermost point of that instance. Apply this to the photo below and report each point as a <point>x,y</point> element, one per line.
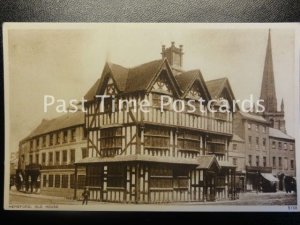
<point>64,181</point>
<point>181,178</point>
<point>72,181</point>
<point>94,175</point>
<point>57,181</point>
<point>116,176</point>
<point>161,177</point>
<point>81,181</point>
<point>44,180</point>
<point>50,180</point>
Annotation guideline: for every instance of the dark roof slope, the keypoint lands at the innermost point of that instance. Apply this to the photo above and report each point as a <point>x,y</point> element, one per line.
<point>58,123</point>
<point>93,90</point>
<point>279,134</point>
<point>140,77</point>
<point>214,86</point>
<point>186,79</point>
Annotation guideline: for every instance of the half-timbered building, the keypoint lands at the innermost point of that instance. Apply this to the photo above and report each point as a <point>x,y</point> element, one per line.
<point>157,154</point>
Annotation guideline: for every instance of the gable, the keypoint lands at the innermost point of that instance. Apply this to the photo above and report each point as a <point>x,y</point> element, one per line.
<point>195,91</point>
<point>162,84</point>
<point>111,88</point>
<point>164,81</point>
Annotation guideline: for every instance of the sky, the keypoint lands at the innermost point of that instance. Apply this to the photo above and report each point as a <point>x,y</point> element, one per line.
<point>66,60</point>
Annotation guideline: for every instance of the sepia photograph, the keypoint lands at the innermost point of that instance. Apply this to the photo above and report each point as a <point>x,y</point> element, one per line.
<point>151,117</point>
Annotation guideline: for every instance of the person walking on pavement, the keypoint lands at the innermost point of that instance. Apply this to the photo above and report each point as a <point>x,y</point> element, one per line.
<point>85,195</point>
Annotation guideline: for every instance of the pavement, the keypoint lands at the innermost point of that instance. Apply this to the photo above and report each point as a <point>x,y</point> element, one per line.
<point>249,198</point>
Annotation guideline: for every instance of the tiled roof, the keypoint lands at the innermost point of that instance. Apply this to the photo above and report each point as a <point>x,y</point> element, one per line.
<point>61,122</point>
<point>279,134</point>
<point>140,77</point>
<point>206,161</point>
<point>186,79</point>
<point>237,138</point>
<point>214,86</point>
<point>253,117</point>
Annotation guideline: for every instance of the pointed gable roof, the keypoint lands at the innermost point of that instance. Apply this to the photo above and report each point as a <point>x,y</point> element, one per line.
<point>130,80</point>
<point>188,78</point>
<point>206,161</point>
<point>216,87</point>
<point>139,77</point>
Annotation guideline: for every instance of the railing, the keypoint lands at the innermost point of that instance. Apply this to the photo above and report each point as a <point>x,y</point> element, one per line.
<point>202,121</point>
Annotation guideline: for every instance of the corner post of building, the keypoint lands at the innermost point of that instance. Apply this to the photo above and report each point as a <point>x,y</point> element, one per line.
<point>234,184</point>
<point>137,183</point>
<point>204,186</point>
<point>75,182</point>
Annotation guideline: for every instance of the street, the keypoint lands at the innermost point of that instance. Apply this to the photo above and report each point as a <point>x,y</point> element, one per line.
<point>278,198</point>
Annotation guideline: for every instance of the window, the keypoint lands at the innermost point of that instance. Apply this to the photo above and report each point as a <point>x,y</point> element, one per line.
<point>111,141</point>
<point>279,162</point>
<point>234,146</point>
<point>31,145</point>
<point>37,158</point>
<point>264,143</point>
<point>285,146</point>
<point>72,155</point>
<point>51,139</point>
<point>50,180</point>
<point>80,181</point>
<point>44,141</point>
<point>64,181</point>
<point>93,175</point>
<point>57,181</point>
<point>38,142</point>
<point>30,159</point>
<point>257,160</point>
<point>250,139</point>
<point>65,136</point>
<point>73,134</point>
<point>72,180</point>
<point>256,127</point>
<point>274,162</point>
<point>250,160</point>
<point>292,164</point>
<point>264,161</point>
<point>291,147</point>
<point>44,180</point>
<point>44,158</point>
<point>51,158</point>
<point>249,126</point>
<point>264,129</point>
<point>273,144</point>
<point>84,153</point>
<point>257,143</point>
<point>65,156</point>
<point>279,145</point>
<point>116,176</point>
<point>285,163</point>
<point>57,158</point>
<point>156,101</point>
<point>186,140</point>
<point>161,177</point>
<point>58,138</point>
<point>234,161</point>
<point>181,178</point>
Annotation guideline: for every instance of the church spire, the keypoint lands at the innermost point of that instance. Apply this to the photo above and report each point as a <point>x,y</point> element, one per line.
<point>268,93</point>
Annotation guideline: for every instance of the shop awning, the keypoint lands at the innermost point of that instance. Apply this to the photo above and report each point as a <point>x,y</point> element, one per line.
<point>269,177</point>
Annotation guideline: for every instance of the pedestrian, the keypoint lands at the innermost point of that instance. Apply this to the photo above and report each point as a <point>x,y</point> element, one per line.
<point>85,195</point>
